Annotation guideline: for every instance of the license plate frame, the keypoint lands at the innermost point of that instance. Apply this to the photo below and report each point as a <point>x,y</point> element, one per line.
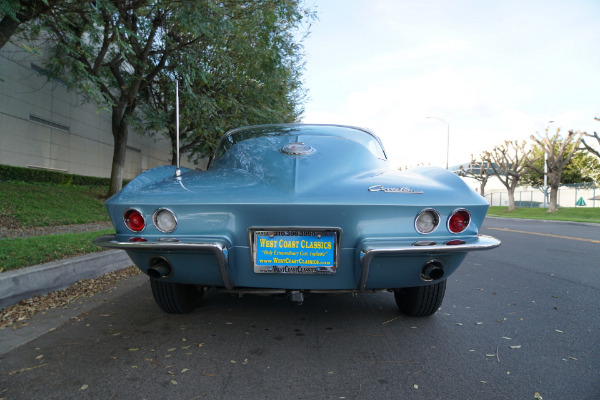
<point>311,251</point>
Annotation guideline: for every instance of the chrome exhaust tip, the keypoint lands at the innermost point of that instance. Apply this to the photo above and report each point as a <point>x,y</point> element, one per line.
<point>159,267</point>
<point>432,271</point>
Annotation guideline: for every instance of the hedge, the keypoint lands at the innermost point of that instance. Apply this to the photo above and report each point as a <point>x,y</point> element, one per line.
<point>10,173</point>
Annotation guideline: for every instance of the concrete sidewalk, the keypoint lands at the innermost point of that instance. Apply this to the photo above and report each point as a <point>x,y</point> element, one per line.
<point>40,279</point>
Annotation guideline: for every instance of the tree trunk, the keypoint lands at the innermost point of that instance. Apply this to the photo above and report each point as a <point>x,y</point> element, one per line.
<point>511,199</point>
<point>27,11</point>
<point>482,188</point>
<point>8,26</point>
<point>553,207</point>
<point>120,132</point>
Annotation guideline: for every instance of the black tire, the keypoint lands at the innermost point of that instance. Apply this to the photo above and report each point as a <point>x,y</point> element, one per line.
<point>420,301</point>
<point>175,298</point>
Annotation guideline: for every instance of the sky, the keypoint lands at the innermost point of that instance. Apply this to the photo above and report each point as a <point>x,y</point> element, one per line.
<point>488,70</point>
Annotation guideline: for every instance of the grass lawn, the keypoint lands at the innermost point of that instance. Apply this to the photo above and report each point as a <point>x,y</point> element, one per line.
<point>24,205</point>
<point>17,253</point>
<point>27,205</point>
<point>577,214</point>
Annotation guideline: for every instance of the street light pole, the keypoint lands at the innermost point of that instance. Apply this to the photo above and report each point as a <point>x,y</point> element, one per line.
<point>447,140</point>
<point>546,171</point>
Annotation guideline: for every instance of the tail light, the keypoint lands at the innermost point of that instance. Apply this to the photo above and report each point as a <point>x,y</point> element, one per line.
<point>427,221</point>
<point>459,221</point>
<point>134,220</point>
<point>164,220</point>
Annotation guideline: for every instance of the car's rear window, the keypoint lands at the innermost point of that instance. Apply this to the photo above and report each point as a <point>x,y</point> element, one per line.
<point>365,138</point>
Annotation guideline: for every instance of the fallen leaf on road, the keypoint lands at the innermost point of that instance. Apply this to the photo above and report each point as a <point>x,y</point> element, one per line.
<point>393,319</point>
<point>26,369</point>
<point>25,309</point>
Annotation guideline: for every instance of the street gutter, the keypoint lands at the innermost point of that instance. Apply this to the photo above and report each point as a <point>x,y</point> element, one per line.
<point>40,279</point>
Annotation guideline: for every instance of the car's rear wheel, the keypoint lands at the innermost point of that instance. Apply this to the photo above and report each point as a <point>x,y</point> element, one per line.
<point>420,301</point>
<point>175,298</point>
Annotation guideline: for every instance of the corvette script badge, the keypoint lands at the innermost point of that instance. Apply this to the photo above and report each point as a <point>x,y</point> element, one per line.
<point>381,188</point>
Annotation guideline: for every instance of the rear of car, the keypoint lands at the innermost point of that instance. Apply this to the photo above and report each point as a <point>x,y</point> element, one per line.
<point>296,208</point>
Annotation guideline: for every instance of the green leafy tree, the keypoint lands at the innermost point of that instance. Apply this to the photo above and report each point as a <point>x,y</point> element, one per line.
<point>557,152</point>
<point>115,51</point>
<point>250,75</point>
<point>13,13</point>
<point>112,50</point>
<point>582,168</point>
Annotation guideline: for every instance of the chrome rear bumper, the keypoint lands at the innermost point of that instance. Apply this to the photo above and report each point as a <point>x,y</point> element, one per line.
<point>217,246</point>
<point>368,249</point>
<point>371,248</point>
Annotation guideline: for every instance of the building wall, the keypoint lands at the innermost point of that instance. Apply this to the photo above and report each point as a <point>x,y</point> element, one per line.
<point>43,124</point>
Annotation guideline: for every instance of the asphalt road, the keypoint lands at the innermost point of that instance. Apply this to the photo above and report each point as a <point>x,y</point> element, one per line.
<point>518,320</point>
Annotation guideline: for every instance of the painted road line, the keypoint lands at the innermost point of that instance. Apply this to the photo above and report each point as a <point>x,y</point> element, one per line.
<point>547,235</point>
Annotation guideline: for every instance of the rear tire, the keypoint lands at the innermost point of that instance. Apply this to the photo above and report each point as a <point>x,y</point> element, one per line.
<point>175,298</point>
<point>420,301</point>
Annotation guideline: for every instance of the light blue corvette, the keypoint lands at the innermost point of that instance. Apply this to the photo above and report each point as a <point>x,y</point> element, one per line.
<point>297,208</point>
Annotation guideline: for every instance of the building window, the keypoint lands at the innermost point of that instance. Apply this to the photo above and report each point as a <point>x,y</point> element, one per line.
<point>49,123</point>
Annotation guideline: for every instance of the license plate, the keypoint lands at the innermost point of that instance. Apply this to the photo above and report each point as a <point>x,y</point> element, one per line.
<point>295,251</point>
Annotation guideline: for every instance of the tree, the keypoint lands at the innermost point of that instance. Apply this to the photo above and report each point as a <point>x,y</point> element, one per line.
<point>479,170</point>
<point>582,168</point>
<point>250,76</point>
<point>558,152</point>
<point>510,162</point>
<point>587,146</point>
<point>13,13</point>
<point>114,50</point>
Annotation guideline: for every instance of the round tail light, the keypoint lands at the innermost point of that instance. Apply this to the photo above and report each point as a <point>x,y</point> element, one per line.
<point>427,221</point>
<point>165,220</point>
<point>134,220</point>
<point>459,221</point>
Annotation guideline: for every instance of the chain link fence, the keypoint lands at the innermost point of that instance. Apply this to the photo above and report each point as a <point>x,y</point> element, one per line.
<point>568,196</point>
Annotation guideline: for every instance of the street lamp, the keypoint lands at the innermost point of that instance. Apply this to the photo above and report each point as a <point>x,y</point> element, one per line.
<point>448,140</point>
<point>546,170</point>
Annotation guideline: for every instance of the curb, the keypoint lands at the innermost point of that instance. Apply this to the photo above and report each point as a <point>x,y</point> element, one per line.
<point>40,279</point>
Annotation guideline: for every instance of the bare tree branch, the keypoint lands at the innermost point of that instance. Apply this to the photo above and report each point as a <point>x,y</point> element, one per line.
<point>587,146</point>
<point>510,162</point>
<point>479,170</point>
